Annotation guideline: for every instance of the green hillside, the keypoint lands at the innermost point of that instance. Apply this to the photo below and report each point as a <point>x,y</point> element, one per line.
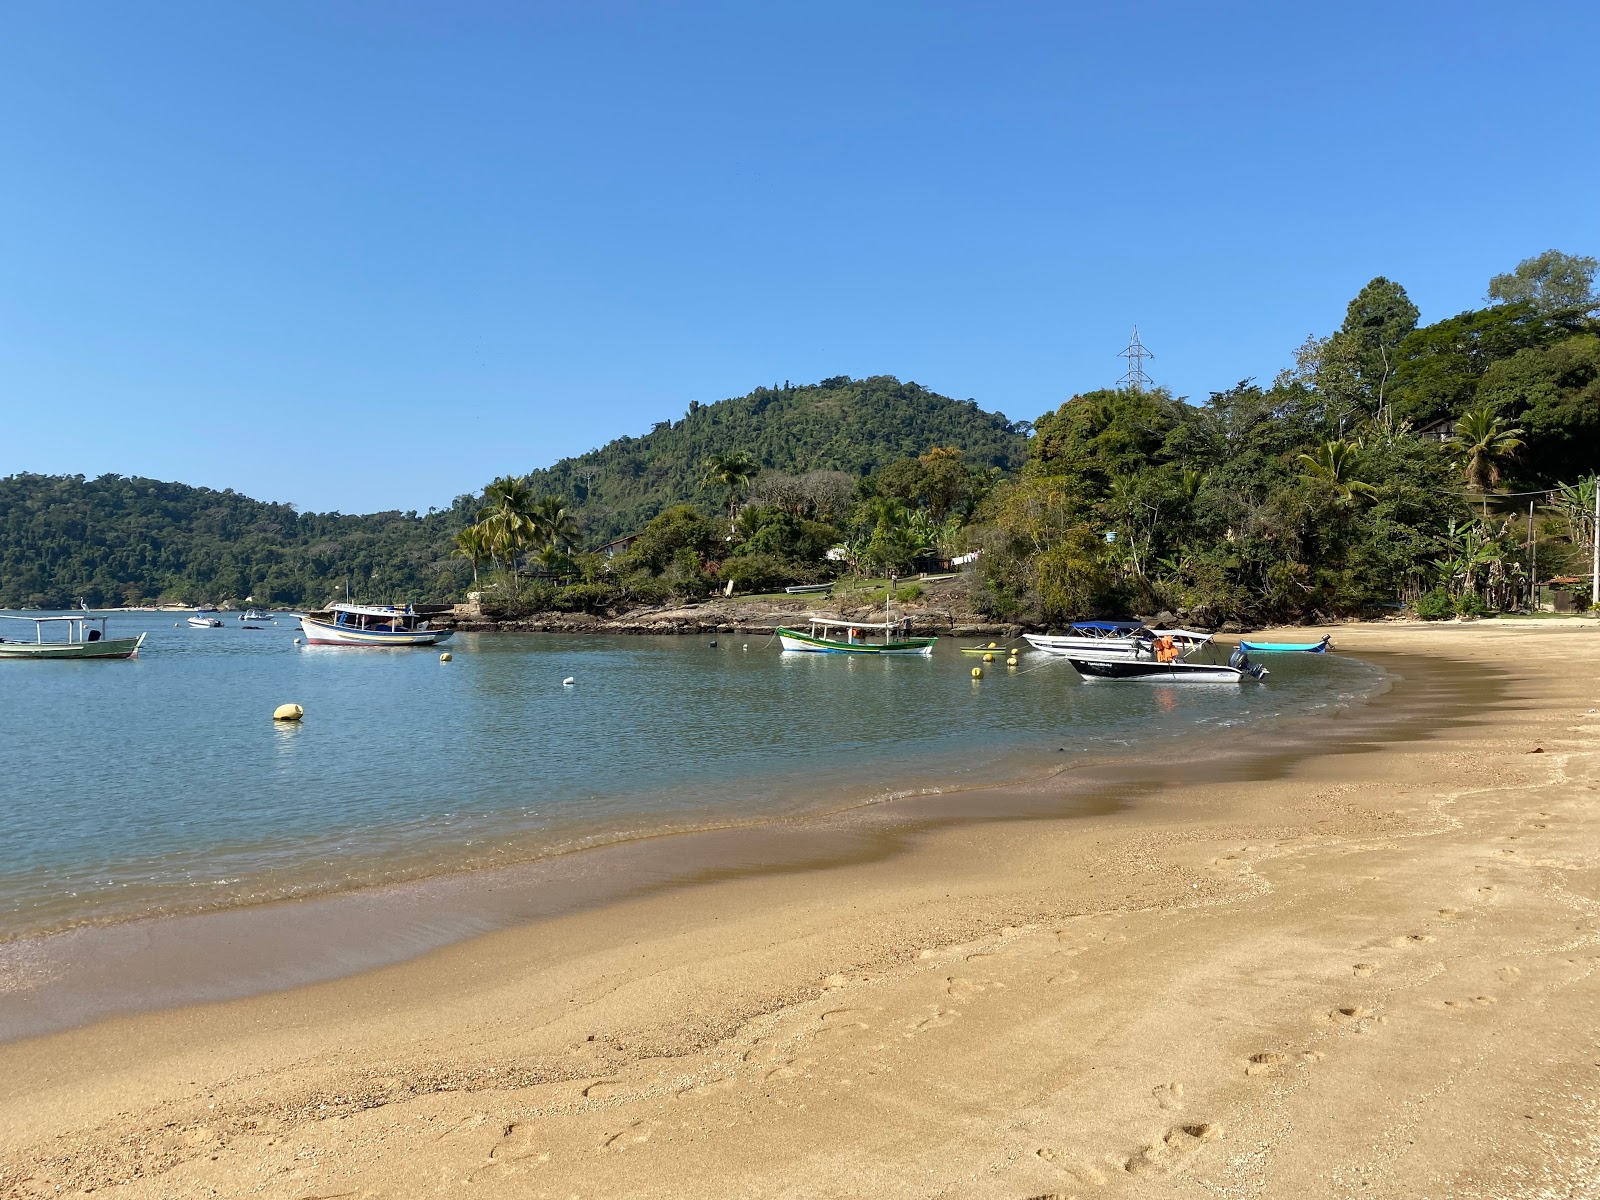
<point>840,424</point>
<point>116,540</point>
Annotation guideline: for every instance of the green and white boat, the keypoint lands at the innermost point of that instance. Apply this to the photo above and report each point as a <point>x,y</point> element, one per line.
<point>75,636</point>
<point>856,638</point>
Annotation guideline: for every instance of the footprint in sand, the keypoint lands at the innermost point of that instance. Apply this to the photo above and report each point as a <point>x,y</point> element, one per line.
<point>602,1088</point>
<point>842,1020</point>
<point>1364,968</point>
<point>1178,1142</point>
<point>1449,914</point>
<point>1074,1166</point>
<point>1474,1002</point>
<point>958,988</point>
<point>1412,939</point>
<point>1266,1062</point>
<point>1508,973</point>
<point>1352,1014</point>
<point>517,1143</point>
<point>1063,977</point>
<point>790,1070</point>
<point>1488,889</point>
<point>940,1018</point>
<point>635,1134</point>
<point>1168,1095</point>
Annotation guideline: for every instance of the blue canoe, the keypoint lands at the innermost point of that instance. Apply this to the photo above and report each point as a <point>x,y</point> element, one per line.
<point>1275,647</point>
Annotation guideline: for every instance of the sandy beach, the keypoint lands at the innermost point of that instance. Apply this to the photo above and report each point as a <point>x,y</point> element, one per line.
<point>1367,970</point>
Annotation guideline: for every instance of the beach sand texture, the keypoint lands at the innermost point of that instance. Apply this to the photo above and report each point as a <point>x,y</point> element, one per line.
<point>1369,973</point>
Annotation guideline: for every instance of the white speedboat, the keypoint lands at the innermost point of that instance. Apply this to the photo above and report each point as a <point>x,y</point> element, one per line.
<point>201,621</point>
<point>1110,639</point>
<point>254,614</point>
<point>370,625</point>
<point>1147,667</point>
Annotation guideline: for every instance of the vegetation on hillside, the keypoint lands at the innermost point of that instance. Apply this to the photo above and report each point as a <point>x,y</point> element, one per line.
<point>1377,469</point>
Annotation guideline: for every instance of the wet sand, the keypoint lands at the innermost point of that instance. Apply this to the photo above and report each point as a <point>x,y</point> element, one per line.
<point>1368,972</point>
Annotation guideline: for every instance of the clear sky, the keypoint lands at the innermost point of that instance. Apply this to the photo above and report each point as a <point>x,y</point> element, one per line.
<point>370,255</point>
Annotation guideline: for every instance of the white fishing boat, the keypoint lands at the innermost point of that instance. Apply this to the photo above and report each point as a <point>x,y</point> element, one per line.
<point>254,614</point>
<point>201,621</point>
<point>75,636</point>
<point>1110,639</point>
<point>371,625</point>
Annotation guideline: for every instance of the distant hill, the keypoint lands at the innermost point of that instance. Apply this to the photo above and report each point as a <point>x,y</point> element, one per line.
<point>841,424</point>
<point>116,540</point>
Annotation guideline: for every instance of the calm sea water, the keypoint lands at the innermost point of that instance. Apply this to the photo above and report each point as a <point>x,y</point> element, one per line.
<point>162,784</point>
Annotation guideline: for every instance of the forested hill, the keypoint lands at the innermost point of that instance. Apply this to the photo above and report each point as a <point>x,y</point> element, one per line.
<point>840,424</point>
<point>116,540</point>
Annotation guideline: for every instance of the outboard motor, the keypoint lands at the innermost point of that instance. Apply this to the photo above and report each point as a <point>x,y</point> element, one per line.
<point>1240,661</point>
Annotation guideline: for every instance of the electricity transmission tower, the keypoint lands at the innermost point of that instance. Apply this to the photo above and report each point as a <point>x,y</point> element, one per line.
<point>1135,380</point>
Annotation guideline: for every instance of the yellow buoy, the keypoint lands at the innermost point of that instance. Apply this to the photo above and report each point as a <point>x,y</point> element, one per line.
<point>991,645</point>
<point>977,672</point>
<point>988,658</point>
<point>445,657</point>
<point>1012,661</point>
<point>288,712</point>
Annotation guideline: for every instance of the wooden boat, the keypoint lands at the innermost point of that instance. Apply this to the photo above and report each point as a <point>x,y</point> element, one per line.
<point>371,625</point>
<point>854,640</point>
<point>801,589</point>
<point>1148,669</point>
<point>1321,647</point>
<point>82,637</point>
<point>1105,639</point>
<point>204,622</point>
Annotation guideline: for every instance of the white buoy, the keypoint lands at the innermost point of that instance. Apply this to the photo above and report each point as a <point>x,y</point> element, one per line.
<point>445,657</point>
<point>288,712</point>
<point>297,641</point>
<point>568,681</point>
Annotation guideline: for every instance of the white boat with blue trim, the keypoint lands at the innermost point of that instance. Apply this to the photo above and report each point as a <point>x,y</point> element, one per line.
<point>371,625</point>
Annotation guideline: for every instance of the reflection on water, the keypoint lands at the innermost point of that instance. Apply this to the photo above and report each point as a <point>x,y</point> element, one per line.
<point>163,783</point>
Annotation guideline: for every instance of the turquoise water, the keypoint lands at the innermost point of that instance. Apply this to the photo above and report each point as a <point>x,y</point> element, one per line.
<point>161,784</point>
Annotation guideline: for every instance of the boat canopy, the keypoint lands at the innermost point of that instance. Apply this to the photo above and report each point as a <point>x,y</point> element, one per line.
<point>1109,626</point>
<point>834,624</point>
<point>42,620</point>
<point>373,610</point>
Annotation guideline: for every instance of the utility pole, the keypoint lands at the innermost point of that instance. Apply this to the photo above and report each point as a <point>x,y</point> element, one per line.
<point>1533,565</point>
<point>1135,380</point>
<point>1594,550</point>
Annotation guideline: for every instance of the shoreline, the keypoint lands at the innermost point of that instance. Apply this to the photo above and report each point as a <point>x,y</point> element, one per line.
<point>59,979</point>
<point>1351,969</point>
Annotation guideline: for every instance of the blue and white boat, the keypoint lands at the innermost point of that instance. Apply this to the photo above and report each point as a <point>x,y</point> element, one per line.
<point>370,625</point>
<point>1110,639</point>
<point>1321,647</point>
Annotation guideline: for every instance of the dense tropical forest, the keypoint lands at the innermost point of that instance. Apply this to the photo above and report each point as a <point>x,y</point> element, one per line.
<point>117,540</point>
<point>1446,467</point>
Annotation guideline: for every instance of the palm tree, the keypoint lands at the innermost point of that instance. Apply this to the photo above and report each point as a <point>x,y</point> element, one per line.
<point>507,515</point>
<point>554,523</point>
<point>734,472</point>
<point>475,545</point>
<point>1484,442</point>
<point>1335,463</point>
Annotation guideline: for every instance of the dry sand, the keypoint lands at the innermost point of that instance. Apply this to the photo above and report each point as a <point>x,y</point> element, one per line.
<point>1372,974</point>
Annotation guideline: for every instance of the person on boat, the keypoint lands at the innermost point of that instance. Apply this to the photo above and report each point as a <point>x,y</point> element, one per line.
<point>1166,649</point>
<point>94,635</point>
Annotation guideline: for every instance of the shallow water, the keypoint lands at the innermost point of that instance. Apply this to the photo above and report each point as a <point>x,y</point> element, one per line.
<point>162,785</point>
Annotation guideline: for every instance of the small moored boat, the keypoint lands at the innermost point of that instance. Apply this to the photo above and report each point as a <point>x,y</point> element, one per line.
<point>1321,647</point>
<point>254,614</point>
<point>80,637</point>
<point>1104,639</point>
<point>1149,669</point>
<point>200,621</point>
<point>855,639</point>
<point>371,625</point>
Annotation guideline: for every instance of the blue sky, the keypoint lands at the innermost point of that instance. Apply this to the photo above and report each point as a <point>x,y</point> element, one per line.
<point>369,255</point>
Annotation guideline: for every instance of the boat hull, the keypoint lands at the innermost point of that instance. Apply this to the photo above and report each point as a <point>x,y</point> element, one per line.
<point>1154,672</point>
<point>1286,647</point>
<point>1067,645</point>
<point>326,633</point>
<point>104,648</point>
<point>797,641</point>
